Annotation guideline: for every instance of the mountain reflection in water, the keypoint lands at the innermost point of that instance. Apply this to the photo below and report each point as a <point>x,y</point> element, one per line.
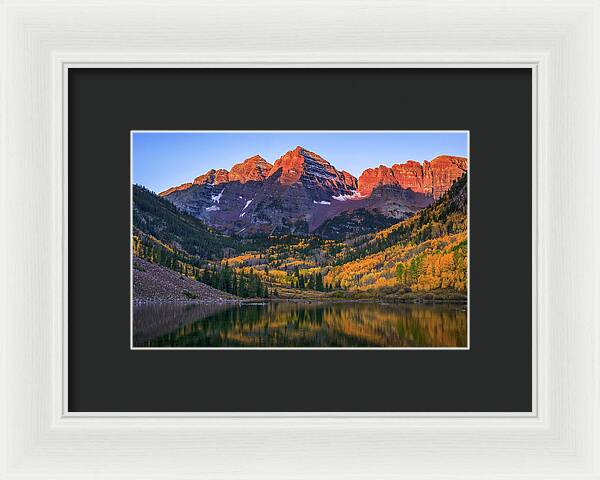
<point>289,324</point>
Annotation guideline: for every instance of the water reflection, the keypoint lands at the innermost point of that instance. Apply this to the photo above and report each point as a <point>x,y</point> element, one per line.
<point>287,324</point>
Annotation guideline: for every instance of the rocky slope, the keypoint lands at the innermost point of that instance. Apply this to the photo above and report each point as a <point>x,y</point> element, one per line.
<point>157,219</point>
<point>152,282</point>
<point>302,190</point>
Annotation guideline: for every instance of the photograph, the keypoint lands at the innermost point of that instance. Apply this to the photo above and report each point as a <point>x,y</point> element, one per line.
<point>299,239</point>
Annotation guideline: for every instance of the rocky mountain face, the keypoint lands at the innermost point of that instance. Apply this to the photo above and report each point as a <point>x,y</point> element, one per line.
<point>431,178</point>
<point>313,171</point>
<point>302,190</point>
<point>254,168</point>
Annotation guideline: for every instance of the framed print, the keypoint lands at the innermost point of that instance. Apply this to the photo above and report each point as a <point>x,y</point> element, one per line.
<point>359,237</point>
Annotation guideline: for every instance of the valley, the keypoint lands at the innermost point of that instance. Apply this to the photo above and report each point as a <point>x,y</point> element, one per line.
<point>301,229</point>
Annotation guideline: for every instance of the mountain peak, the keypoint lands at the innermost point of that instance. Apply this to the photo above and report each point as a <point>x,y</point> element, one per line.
<point>253,160</point>
<point>254,168</point>
<point>213,177</point>
<point>316,175</point>
<point>298,163</point>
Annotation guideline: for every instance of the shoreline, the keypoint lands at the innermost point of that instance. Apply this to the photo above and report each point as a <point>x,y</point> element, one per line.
<point>240,301</point>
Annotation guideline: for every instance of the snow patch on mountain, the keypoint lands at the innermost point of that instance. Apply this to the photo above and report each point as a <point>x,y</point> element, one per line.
<point>213,208</point>
<point>217,198</point>
<point>343,198</point>
<point>322,202</point>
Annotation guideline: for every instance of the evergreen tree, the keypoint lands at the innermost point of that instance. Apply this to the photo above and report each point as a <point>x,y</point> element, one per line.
<point>206,276</point>
<point>319,281</point>
<point>242,289</point>
<point>234,284</point>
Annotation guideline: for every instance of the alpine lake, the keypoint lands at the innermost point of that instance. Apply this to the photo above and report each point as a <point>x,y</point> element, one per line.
<point>299,324</point>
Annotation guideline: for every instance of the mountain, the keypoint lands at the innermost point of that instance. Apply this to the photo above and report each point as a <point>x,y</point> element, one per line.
<point>447,216</point>
<point>421,258</point>
<point>426,252</point>
<point>157,223</point>
<point>313,172</point>
<point>431,178</point>
<point>302,191</point>
<point>353,222</point>
<point>254,168</point>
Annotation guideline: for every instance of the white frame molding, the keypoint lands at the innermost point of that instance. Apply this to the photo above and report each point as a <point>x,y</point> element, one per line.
<point>559,39</point>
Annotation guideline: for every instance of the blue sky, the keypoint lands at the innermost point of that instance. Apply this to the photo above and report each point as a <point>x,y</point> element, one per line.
<point>164,159</point>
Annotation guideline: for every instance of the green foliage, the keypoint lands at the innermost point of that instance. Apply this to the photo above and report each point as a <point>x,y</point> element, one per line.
<point>447,216</point>
<point>155,216</point>
<point>151,249</point>
<point>243,285</point>
<point>400,273</point>
<point>355,222</point>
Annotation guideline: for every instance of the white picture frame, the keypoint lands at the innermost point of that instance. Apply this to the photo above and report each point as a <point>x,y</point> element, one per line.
<point>559,40</point>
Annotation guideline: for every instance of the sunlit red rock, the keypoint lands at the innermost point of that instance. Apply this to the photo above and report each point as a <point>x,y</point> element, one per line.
<point>255,168</point>
<point>213,177</point>
<point>168,191</point>
<point>374,177</point>
<point>431,178</point>
<point>302,190</point>
<point>445,170</point>
<point>350,180</point>
<point>313,170</point>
